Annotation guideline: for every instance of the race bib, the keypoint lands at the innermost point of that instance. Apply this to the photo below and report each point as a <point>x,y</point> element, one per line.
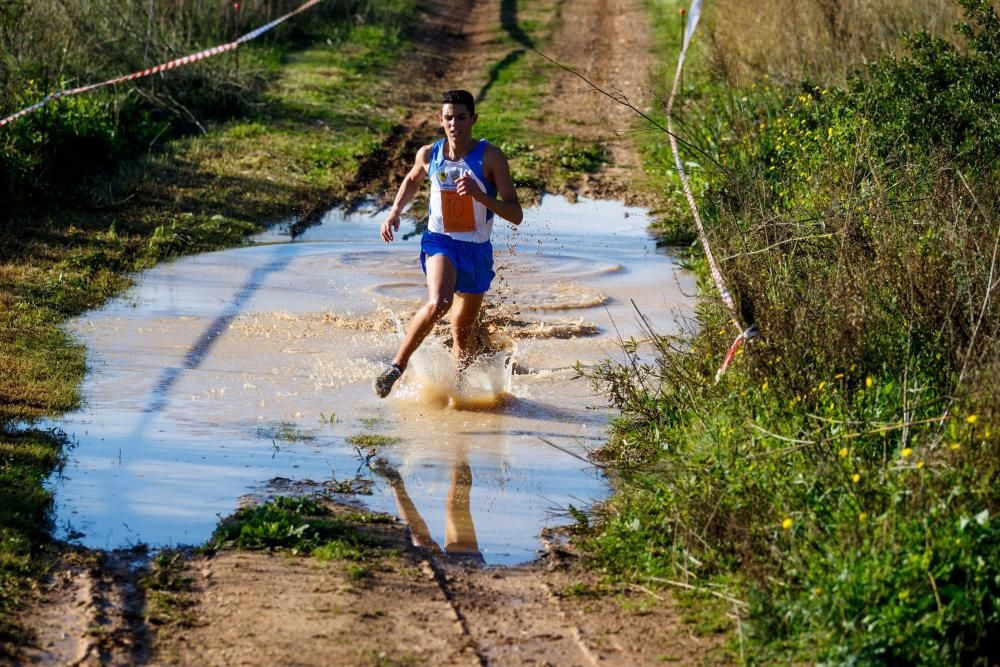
<point>458,212</point>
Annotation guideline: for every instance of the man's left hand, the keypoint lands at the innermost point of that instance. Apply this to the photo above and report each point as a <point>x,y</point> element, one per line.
<point>466,186</point>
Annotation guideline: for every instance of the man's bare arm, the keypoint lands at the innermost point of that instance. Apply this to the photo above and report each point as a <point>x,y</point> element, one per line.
<point>407,189</point>
<point>495,165</point>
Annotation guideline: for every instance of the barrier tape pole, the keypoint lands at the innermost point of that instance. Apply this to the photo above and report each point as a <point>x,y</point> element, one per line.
<point>163,67</point>
<point>745,333</point>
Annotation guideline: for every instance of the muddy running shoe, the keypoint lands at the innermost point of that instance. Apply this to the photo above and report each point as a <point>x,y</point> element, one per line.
<point>383,383</point>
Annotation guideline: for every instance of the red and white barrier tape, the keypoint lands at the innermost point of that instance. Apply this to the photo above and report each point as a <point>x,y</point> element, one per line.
<point>179,62</point>
<point>749,333</point>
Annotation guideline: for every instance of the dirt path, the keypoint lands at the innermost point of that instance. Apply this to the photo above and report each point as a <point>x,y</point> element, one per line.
<point>409,607</point>
<point>404,608</point>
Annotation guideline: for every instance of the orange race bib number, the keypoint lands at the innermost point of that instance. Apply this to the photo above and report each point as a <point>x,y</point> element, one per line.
<point>458,212</point>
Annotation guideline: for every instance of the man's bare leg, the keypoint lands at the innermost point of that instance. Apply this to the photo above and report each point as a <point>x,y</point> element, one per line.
<point>441,279</point>
<point>464,318</point>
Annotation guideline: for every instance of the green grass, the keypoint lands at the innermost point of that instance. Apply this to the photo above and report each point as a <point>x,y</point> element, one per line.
<point>26,459</point>
<point>299,525</point>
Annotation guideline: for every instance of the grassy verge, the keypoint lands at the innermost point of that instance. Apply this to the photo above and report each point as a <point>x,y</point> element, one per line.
<point>837,490</point>
<point>297,148</point>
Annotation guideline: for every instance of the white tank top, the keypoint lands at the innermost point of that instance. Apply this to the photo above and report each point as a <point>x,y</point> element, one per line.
<point>462,218</point>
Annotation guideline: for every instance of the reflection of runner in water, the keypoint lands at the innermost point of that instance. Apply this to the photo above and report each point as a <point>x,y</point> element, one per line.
<point>466,175</point>
<point>459,532</point>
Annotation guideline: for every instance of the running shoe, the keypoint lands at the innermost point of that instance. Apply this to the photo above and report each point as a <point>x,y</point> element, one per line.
<point>383,383</point>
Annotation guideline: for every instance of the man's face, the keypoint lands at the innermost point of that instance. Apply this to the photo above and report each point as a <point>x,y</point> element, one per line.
<point>457,122</point>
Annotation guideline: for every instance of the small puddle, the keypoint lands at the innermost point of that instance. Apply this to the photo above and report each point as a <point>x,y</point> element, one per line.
<point>249,370</point>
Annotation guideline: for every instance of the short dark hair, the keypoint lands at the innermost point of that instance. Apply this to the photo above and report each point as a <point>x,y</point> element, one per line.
<point>459,97</point>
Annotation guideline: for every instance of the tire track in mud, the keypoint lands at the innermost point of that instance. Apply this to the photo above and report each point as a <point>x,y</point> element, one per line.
<point>95,612</point>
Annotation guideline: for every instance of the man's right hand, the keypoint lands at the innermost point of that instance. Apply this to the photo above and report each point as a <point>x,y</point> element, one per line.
<point>390,224</point>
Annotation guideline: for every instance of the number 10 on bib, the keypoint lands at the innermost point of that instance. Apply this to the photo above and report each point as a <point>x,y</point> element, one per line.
<point>458,212</point>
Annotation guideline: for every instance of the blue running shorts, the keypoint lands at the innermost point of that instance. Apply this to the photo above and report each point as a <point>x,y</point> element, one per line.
<point>472,261</point>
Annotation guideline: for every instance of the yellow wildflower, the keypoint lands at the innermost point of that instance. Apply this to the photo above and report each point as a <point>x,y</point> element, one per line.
<point>821,385</point>
<point>906,452</point>
<point>843,451</point>
<point>920,464</point>
<point>856,477</point>
<point>971,419</point>
<point>838,376</point>
<point>829,132</point>
<point>869,381</point>
<point>955,447</point>
<point>787,523</point>
<point>863,517</point>
<point>764,386</point>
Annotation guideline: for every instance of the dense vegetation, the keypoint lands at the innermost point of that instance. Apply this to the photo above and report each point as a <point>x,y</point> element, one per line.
<point>840,484</point>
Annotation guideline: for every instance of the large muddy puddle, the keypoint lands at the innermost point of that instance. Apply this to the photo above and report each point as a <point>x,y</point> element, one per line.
<point>248,372</point>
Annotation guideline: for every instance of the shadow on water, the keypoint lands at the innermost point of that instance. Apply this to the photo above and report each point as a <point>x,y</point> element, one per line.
<point>160,394</point>
<point>531,409</point>
<point>516,433</point>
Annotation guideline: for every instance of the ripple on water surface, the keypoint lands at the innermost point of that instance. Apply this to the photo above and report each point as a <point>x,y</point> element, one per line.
<point>223,371</point>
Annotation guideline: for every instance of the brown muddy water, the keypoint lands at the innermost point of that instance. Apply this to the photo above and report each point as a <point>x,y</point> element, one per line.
<point>248,372</point>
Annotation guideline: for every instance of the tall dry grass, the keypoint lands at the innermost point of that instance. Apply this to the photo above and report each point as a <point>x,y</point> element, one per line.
<point>817,40</point>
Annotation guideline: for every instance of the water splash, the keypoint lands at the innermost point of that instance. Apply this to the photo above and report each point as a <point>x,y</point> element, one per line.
<point>483,385</point>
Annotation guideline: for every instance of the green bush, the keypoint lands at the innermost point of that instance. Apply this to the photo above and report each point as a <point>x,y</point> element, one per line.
<point>939,97</point>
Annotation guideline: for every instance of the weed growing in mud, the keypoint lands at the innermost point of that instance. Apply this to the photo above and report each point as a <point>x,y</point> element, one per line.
<point>300,525</point>
<point>285,432</point>
<point>168,588</point>
<point>839,486</point>
<point>372,442</point>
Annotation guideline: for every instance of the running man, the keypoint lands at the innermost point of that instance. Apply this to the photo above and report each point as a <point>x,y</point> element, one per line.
<point>466,175</point>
